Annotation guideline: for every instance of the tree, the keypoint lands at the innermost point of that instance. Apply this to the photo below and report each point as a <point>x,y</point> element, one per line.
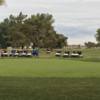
<point>10,31</point>
<point>90,44</point>
<point>61,41</point>
<point>41,26</point>
<point>4,26</point>
<point>16,37</point>
<point>20,30</point>
<point>98,36</point>
<point>42,31</point>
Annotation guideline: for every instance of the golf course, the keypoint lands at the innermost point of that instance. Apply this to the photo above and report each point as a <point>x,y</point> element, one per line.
<point>51,78</point>
<point>49,50</point>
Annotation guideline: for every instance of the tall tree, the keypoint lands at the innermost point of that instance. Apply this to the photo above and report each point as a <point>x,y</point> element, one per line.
<point>38,29</point>
<point>98,36</point>
<point>90,44</point>
<point>4,26</point>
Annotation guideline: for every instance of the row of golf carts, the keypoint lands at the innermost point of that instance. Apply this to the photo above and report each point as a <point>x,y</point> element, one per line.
<point>35,52</point>
<point>19,53</point>
<point>75,54</point>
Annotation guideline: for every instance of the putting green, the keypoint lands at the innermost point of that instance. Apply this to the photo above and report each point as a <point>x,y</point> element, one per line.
<point>24,67</point>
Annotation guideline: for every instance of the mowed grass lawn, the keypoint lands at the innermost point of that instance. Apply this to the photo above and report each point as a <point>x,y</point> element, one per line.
<point>32,67</point>
<point>49,79</point>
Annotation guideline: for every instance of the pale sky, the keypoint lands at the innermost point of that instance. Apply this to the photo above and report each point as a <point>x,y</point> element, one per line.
<point>77,19</point>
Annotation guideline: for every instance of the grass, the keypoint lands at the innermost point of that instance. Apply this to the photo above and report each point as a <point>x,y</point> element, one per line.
<point>92,53</point>
<point>48,68</point>
<point>51,78</point>
<point>13,88</point>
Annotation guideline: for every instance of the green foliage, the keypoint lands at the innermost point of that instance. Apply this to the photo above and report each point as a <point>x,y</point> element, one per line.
<point>19,30</point>
<point>90,44</point>
<point>98,36</point>
<point>1,2</point>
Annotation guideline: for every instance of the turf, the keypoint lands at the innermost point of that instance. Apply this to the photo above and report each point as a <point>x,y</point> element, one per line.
<point>14,88</point>
<point>48,68</point>
<point>91,53</point>
<point>49,78</point>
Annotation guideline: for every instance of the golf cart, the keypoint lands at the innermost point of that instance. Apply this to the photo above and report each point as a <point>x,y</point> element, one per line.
<point>66,54</point>
<point>58,54</point>
<point>76,54</point>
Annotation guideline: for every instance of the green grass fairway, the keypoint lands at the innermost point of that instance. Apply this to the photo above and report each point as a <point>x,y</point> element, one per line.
<point>49,79</point>
<point>48,68</point>
<point>13,88</point>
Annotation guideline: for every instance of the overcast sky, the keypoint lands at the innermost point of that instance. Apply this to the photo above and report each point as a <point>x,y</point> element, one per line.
<point>77,19</point>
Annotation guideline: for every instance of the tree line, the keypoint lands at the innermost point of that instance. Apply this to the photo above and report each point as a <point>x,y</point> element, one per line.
<point>21,30</point>
<point>97,37</point>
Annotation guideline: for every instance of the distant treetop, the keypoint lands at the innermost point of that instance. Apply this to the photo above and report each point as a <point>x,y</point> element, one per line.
<point>1,2</point>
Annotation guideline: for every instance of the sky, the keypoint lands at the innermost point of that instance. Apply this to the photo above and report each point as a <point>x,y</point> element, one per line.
<point>76,19</point>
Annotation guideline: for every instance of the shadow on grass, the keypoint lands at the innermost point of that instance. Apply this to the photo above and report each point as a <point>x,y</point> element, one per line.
<point>14,88</point>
